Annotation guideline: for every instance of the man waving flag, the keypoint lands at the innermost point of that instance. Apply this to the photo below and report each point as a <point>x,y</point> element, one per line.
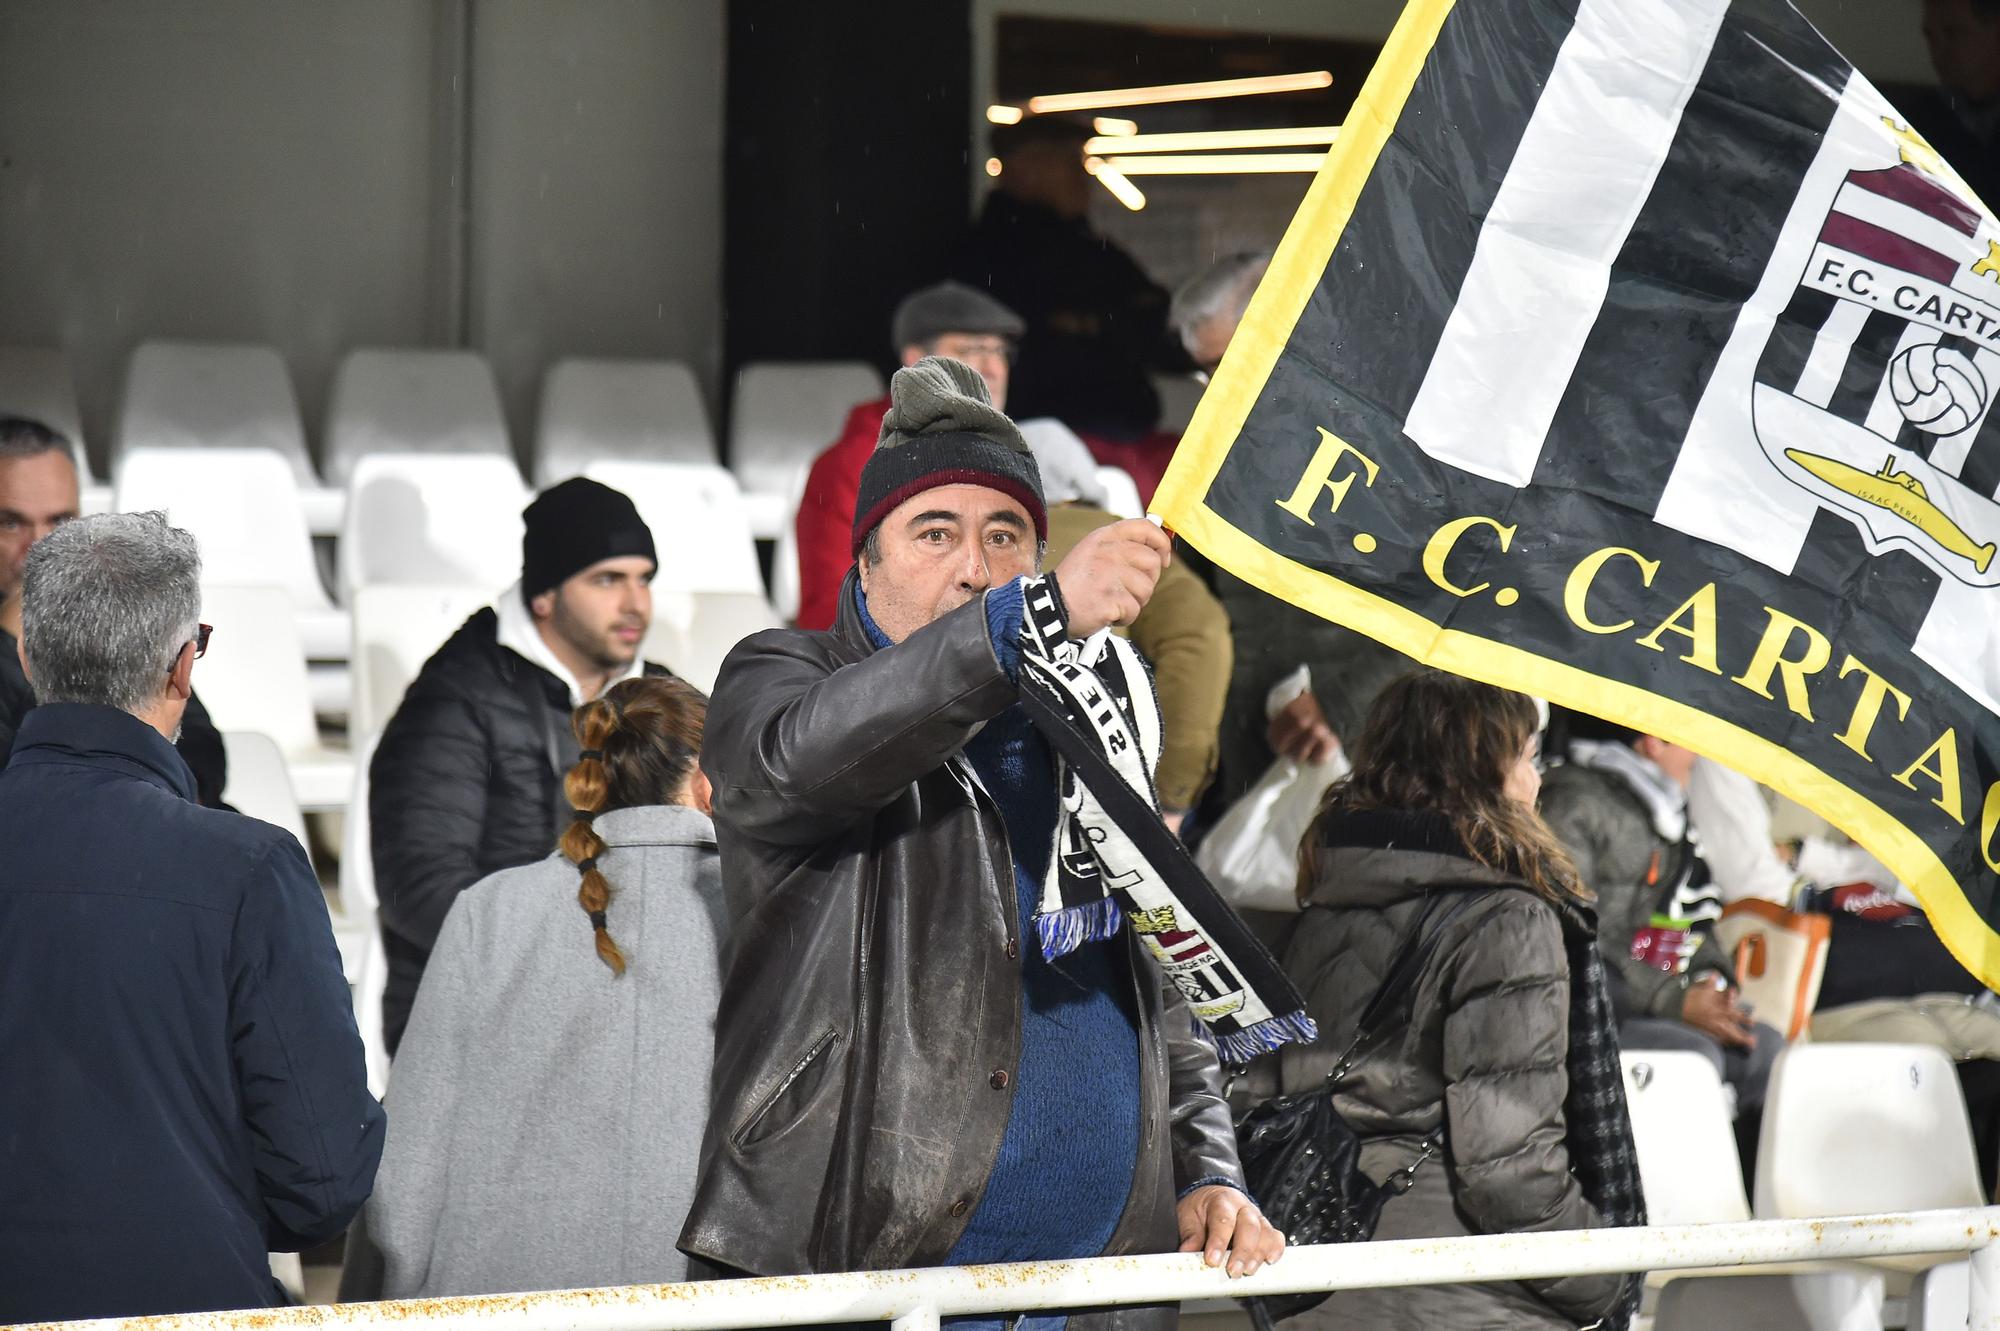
<point>1637,354</point>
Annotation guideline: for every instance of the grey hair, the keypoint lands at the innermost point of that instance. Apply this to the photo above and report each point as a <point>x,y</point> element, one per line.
<point>25,437</point>
<point>107,605</point>
<point>1223,289</point>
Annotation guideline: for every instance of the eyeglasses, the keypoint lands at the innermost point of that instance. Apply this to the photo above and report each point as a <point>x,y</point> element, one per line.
<point>201,635</point>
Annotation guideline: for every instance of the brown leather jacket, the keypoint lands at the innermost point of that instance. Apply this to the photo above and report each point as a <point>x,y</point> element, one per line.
<point>869,1029</point>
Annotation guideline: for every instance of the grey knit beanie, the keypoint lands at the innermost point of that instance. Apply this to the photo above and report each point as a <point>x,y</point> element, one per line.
<point>943,429</point>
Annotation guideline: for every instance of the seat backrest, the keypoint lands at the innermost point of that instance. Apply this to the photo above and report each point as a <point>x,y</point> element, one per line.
<point>622,411</point>
<point>359,904</point>
<point>242,504</point>
<point>699,527</point>
<point>210,395</point>
<point>1121,492</point>
<point>692,632</point>
<point>1687,1152</point>
<point>254,676</point>
<point>785,412</point>
<point>396,629</point>
<point>1853,1129</point>
<point>411,402</point>
<point>36,382</point>
<point>432,520</point>
<point>259,784</point>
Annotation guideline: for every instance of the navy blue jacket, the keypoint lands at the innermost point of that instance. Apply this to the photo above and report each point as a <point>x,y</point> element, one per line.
<point>181,1082</point>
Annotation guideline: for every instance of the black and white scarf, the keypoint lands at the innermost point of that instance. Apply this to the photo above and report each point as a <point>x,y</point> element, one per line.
<point>1598,1124</point>
<point>1114,859</point>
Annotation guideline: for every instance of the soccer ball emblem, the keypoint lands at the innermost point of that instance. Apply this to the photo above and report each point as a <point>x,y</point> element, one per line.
<point>1940,391</point>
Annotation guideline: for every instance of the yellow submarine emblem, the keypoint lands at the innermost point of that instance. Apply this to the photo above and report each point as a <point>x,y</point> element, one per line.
<point>1902,494</point>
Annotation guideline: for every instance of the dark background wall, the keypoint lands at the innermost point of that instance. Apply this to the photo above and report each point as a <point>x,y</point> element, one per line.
<point>844,174</point>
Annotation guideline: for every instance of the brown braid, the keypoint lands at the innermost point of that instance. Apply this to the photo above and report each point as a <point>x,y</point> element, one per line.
<point>640,741</point>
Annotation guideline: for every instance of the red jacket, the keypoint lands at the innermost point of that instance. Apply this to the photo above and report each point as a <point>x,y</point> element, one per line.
<point>826,514</point>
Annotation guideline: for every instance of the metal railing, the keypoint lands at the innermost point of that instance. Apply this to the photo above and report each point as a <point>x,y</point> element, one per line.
<point>915,1300</point>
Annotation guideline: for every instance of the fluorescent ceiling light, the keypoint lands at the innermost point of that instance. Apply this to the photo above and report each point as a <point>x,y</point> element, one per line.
<point>1115,125</point>
<point>1219,164</point>
<point>1214,140</point>
<point>1121,189</point>
<point>1004,115</point>
<point>1176,92</point>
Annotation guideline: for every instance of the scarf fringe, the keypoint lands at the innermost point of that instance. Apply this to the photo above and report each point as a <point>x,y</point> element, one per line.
<point>1237,1048</point>
<point>1064,931</point>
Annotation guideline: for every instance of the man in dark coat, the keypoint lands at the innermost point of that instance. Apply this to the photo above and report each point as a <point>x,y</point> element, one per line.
<point>185,1086</point>
<point>38,493</point>
<point>467,779</point>
<point>1096,323</point>
<point>901,1078</point>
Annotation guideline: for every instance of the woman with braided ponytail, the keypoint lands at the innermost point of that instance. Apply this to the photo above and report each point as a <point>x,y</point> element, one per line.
<point>548,1101</point>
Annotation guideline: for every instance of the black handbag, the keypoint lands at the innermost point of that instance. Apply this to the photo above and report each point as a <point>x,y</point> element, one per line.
<point>1301,1159</point>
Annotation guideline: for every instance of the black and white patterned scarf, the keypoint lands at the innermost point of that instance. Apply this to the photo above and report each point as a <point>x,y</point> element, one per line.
<point>1115,861</point>
<point>1598,1124</point>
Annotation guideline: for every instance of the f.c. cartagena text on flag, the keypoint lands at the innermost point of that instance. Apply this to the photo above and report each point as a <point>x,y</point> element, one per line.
<point>1637,354</point>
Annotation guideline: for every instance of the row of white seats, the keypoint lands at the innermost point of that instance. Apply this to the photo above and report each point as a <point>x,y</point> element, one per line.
<point>201,395</point>
<point>1848,1129</point>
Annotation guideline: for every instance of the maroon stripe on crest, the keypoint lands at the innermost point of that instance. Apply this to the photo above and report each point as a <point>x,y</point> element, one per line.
<point>1912,188</point>
<point>1872,242</point>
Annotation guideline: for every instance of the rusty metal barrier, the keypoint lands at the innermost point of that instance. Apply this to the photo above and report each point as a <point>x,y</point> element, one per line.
<point>914,1300</point>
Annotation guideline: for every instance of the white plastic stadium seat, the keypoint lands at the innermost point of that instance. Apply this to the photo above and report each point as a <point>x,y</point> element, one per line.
<point>1842,1300</point>
<point>242,504</point>
<point>258,784</point>
<point>254,678</point>
<point>36,382</point>
<point>411,402</point>
<point>1121,492</point>
<point>1854,1129</point>
<point>785,413</point>
<point>359,909</point>
<point>395,631</point>
<point>1941,1298</point>
<point>432,520</point>
<point>619,411</point>
<point>1687,1151</point>
<point>210,395</point>
<point>699,525</point>
<point>693,631</point>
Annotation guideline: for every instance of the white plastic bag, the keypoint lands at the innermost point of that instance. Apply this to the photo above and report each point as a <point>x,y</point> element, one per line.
<point>1252,854</point>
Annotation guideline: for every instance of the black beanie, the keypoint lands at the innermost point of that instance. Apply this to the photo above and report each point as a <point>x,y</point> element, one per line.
<point>571,526</point>
<point>943,429</point>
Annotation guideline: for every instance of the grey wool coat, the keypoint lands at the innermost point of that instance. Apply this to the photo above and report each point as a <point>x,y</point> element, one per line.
<point>1483,1053</point>
<point>545,1116</point>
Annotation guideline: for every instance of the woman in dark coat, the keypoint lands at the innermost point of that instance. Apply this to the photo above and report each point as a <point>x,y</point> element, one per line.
<point>1442,798</point>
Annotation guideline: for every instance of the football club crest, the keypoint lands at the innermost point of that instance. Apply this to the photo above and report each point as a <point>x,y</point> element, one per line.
<point>1876,391</point>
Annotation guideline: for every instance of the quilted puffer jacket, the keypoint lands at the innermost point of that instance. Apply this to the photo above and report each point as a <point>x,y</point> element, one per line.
<point>1482,1052</point>
<point>467,781</point>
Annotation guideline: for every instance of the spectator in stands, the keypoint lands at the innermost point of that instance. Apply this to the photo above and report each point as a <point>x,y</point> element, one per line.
<point>1962,119</point>
<point>1434,834</point>
<point>1619,804</point>
<point>468,777</point>
<point>185,1082</point>
<point>1096,323</point>
<point>486,1184</point>
<point>1209,305</point>
<point>1182,632</point>
<point>948,319</point>
<point>38,493</point>
<point>900,1079</point>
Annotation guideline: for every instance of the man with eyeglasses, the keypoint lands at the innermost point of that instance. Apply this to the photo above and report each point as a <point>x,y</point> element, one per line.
<point>948,319</point>
<point>38,493</point>
<point>186,1084</point>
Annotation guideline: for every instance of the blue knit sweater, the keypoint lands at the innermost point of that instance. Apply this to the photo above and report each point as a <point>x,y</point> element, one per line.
<point>1066,1160</point>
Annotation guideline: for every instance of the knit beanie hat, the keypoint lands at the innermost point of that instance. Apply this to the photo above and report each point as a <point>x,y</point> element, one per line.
<point>571,526</point>
<point>943,429</point>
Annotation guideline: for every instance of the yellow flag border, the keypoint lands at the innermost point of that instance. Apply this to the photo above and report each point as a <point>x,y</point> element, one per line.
<point>1282,296</point>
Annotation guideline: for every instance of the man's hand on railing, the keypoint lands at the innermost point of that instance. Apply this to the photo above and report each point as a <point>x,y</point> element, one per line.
<point>1218,1220</point>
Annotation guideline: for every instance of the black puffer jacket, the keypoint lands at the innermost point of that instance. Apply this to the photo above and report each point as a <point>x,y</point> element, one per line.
<point>466,781</point>
<point>1483,1052</point>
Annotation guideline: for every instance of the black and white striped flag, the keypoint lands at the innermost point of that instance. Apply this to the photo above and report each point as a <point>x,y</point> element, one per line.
<point>1637,354</point>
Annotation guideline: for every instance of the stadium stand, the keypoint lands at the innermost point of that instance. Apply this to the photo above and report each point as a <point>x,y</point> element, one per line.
<point>254,679</point>
<point>432,519</point>
<point>619,411</point>
<point>410,401</point>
